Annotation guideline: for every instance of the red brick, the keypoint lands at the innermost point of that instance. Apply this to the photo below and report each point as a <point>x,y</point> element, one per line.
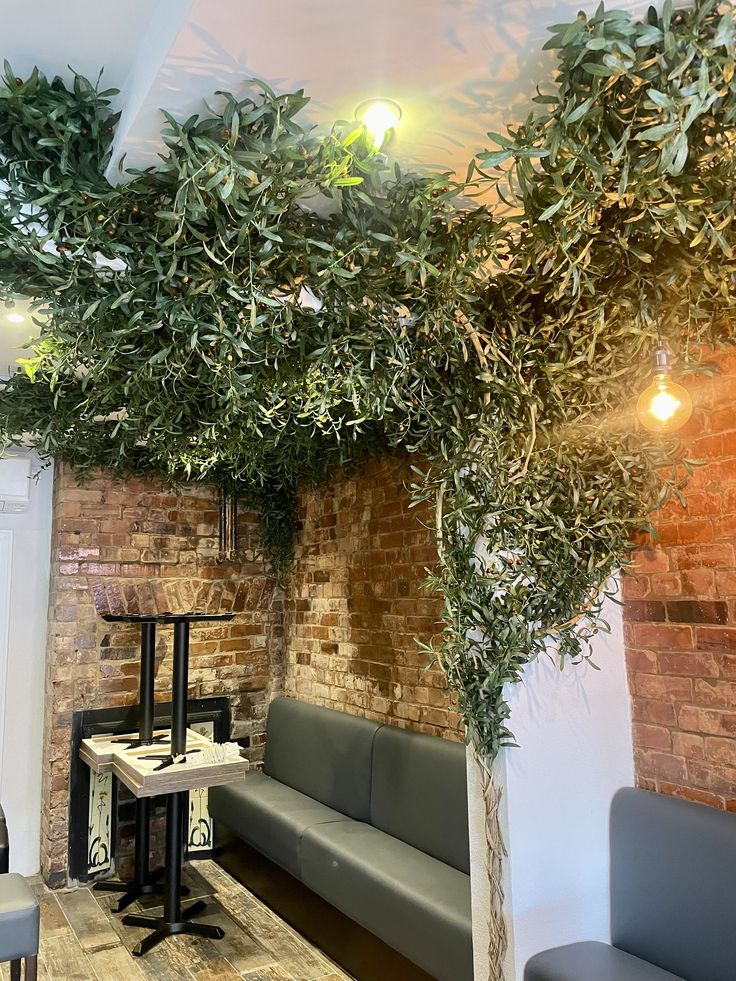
<point>658,687</point>
<point>693,794</point>
<point>698,582</point>
<point>726,582</point>
<point>635,587</point>
<point>715,693</point>
<point>688,745</point>
<point>651,710</point>
<point>653,763</point>
<point>694,611</point>
<point>648,561</point>
<point>716,556</point>
<point>644,661</point>
<point>721,750</point>
<point>645,610</point>
<point>661,636</point>
<point>652,737</point>
<point>687,664</point>
<point>666,584</point>
<point>716,639</point>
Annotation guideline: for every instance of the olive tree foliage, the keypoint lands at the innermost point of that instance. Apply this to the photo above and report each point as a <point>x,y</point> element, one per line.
<point>204,321</point>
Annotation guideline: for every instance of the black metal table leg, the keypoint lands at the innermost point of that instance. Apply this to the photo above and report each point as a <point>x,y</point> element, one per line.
<point>175,920</point>
<point>144,882</point>
<point>145,699</point>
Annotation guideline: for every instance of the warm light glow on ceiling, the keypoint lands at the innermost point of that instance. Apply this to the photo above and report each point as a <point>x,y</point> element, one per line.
<point>380,117</point>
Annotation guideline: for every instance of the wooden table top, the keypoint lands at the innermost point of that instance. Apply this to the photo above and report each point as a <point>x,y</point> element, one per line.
<point>106,753</point>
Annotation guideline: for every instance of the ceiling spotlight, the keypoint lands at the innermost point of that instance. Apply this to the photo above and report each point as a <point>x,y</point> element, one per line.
<point>380,117</point>
<point>15,318</point>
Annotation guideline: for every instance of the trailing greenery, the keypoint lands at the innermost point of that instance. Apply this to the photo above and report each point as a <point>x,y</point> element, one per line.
<point>267,305</point>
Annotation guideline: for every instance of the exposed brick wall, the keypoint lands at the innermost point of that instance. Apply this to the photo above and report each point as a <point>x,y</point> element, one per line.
<point>355,603</point>
<point>136,547</point>
<point>680,618</point>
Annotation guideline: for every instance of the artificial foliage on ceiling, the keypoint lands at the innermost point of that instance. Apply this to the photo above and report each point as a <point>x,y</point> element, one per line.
<point>268,304</point>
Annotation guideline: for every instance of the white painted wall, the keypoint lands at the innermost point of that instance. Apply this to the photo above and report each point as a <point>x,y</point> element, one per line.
<point>23,621</point>
<point>574,731</point>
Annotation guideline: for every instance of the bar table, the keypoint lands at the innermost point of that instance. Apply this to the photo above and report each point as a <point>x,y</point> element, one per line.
<point>144,881</point>
<point>175,920</point>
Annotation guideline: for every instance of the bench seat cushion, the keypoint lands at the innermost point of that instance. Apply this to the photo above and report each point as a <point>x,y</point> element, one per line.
<point>592,961</point>
<point>419,793</point>
<point>673,884</point>
<point>270,816</point>
<point>321,753</point>
<point>19,918</point>
<point>415,903</point>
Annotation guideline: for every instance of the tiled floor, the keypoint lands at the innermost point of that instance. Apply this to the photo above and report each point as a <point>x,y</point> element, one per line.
<point>81,940</point>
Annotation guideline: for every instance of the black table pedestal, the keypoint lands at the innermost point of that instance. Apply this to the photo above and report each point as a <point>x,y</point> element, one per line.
<point>175,920</point>
<point>144,882</point>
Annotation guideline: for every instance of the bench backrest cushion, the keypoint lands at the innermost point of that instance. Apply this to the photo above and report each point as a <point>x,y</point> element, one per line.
<point>322,753</point>
<point>673,884</point>
<point>419,793</point>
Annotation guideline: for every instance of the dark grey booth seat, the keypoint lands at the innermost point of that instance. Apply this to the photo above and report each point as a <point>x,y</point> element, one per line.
<point>373,819</point>
<point>673,898</point>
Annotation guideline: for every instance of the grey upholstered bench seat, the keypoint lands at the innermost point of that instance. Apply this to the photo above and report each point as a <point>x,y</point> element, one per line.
<point>271,817</point>
<point>372,818</point>
<point>673,898</point>
<point>591,961</point>
<point>19,918</point>
<point>416,903</point>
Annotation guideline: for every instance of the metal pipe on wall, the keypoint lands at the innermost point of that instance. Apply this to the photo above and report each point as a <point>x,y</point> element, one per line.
<point>228,524</point>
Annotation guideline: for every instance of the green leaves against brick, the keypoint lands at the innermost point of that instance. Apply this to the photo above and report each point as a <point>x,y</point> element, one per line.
<point>268,305</point>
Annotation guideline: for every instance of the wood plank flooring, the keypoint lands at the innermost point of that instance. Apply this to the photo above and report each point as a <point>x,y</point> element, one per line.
<point>82,940</point>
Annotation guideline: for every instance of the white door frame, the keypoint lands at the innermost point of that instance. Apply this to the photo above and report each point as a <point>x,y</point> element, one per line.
<point>6,565</point>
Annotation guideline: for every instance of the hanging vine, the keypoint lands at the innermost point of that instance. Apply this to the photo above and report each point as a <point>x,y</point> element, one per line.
<point>202,320</point>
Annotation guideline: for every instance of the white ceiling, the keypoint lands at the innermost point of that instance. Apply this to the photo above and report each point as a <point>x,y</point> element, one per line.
<point>458,68</point>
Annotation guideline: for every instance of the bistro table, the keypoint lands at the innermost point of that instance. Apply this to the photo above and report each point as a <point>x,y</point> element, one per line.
<point>144,881</point>
<point>172,772</point>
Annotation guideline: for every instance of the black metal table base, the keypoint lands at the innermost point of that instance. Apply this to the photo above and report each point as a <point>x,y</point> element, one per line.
<point>163,928</point>
<point>134,890</point>
<point>175,920</point>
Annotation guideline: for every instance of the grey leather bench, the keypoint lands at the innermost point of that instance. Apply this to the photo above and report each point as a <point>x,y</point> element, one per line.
<point>673,898</point>
<point>370,817</point>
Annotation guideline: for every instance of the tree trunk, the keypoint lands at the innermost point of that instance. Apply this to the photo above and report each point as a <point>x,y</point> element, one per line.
<point>495,854</point>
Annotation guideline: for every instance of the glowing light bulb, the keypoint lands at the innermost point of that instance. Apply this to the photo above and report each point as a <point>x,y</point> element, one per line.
<point>664,406</point>
<point>380,117</point>
<point>15,318</point>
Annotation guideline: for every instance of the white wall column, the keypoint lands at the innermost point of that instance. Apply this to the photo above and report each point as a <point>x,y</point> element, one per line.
<point>23,622</point>
<point>574,731</point>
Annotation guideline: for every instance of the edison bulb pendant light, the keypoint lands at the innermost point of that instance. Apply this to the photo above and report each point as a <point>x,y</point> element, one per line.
<point>664,406</point>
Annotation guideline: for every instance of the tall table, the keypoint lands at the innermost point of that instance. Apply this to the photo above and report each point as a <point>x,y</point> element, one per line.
<point>144,881</point>
<point>175,920</point>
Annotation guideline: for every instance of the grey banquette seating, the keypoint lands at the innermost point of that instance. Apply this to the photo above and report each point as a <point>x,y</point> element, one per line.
<point>673,898</point>
<point>19,916</point>
<point>371,818</point>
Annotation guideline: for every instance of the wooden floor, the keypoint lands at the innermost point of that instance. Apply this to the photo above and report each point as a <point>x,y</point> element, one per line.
<point>81,940</point>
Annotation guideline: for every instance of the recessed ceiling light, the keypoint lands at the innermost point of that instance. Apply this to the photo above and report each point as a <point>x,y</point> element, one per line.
<point>380,117</point>
<point>15,318</point>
